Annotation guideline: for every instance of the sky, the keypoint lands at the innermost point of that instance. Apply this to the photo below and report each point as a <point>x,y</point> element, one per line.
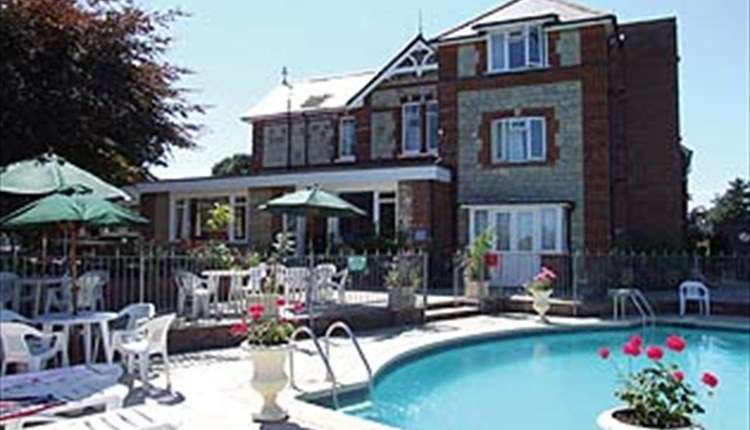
<point>236,50</point>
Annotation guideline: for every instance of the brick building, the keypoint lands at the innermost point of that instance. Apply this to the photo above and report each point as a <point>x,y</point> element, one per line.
<point>551,124</point>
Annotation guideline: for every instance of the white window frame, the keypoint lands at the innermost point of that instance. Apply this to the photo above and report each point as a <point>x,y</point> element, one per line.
<point>513,211</point>
<point>432,147</point>
<point>341,157</point>
<point>188,229</point>
<point>404,108</point>
<point>498,135</point>
<point>526,29</point>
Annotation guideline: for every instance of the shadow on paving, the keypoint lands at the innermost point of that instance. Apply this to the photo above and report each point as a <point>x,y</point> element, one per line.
<point>283,426</point>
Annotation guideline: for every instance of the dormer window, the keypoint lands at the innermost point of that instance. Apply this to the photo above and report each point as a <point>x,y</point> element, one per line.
<point>516,49</point>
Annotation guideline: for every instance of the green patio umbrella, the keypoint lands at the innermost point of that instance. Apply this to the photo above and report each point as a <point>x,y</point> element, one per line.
<point>74,206</point>
<point>49,173</point>
<point>312,202</point>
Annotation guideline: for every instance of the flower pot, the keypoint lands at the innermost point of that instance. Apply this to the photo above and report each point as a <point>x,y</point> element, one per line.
<point>475,289</point>
<point>540,302</point>
<point>608,421</point>
<point>401,298</point>
<point>269,378</point>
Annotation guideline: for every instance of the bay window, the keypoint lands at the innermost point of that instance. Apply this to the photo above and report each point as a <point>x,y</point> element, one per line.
<point>412,128</point>
<point>516,49</point>
<point>521,228</point>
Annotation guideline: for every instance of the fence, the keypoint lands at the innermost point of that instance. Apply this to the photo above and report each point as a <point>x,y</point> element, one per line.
<point>150,278</point>
<point>589,277</point>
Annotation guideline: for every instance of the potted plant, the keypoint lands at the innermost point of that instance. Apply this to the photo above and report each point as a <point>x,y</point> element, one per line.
<point>658,396</point>
<point>266,340</point>
<point>402,281</point>
<point>540,290</point>
<point>474,282</point>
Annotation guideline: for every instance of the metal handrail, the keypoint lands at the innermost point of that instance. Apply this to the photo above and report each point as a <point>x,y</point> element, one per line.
<point>343,326</point>
<point>639,301</point>
<point>331,377</point>
<point>649,311</point>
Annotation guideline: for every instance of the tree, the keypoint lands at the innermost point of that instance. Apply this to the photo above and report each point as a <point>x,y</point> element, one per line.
<point>733,204</point>
<point>235,165</point>
<point>716,227</point>
<point>87,80</point>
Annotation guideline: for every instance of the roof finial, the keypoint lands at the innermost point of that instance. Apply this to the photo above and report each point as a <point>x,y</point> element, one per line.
<point>285,77</point>
<point>419,22</point>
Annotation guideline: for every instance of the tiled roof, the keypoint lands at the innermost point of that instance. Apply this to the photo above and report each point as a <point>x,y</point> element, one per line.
<point>324,93</point>
<point>515,10</point>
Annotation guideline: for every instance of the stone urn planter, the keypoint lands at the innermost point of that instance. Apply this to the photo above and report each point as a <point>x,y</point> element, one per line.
<point>607,420</point>
<point>269,378</point>
<point>475,289</point>
<point>540,302</point>
<point>401,298</point>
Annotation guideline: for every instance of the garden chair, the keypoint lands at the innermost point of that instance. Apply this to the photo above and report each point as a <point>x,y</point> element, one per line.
<point>255,277</point>
<point>23,344</point>
<point>7,315</point>
<point>90,294</point>
<point>128,319</point>
<point>695,291</point>
<point>194,291</point>
<point>295,283</point>
<point>141,417</point>
<point>150,338</point>
<point>329,283</point>
<point>7,289</point>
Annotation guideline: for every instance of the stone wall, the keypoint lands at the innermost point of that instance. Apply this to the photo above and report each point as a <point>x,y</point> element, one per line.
<point>313,142</point>
<point>383,139</point>
<point>561,180</point>
<point>569,48</point>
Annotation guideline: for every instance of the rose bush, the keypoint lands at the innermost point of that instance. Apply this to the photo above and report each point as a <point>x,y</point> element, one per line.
<point>541,282</point>
<point>266,331</point>
<point>657,396</point>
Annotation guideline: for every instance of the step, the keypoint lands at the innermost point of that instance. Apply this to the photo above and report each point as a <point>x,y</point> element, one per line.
<point>447,313</point>
<point>450,303</point>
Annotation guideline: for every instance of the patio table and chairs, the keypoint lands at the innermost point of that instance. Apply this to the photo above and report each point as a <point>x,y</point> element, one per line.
<point>88,320</point>
<point>25,345</point>
<point>90,293</point>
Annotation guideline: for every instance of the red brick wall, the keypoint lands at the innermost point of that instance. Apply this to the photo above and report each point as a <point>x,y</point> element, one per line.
<point>651,191</point>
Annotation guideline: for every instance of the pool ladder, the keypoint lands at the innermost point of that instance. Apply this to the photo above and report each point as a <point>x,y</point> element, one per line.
<point>639,301</point>
<point>325,355</point>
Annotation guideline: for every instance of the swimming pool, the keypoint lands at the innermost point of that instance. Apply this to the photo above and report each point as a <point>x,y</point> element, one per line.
<point>544,381</point>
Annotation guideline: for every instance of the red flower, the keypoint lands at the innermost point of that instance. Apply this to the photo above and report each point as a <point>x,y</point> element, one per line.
<point>654,353</point>
<point>636,339</point>
<point>710,379</point>
<point>298,306</point>
<point>604,353</point>
<point>254,309</point>
<point>632,349</point>
<point>239,329</point>
<point>676,343</point>
<point>678,376</point>
<point>280,302</point>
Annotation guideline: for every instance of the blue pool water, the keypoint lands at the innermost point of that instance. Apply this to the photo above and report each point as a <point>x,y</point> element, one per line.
<point>547,381</point>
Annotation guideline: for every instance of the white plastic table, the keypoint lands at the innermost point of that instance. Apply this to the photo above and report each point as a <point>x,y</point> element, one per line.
<point>75,388</point>
<point>37,283</point>
<point>86,319</point>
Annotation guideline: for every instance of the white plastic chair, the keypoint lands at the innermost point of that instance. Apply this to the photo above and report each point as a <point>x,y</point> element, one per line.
<point>194,291</point>
<point>295,283</point>
<point>695,291</point>
<point>127,320</point>
<point>255,277</point>
<point>7,289</point>
<point>23,344</point>
<point>7,315</point>
<point>90,294</point>
<point>150,338</point>
<point>324,282</point>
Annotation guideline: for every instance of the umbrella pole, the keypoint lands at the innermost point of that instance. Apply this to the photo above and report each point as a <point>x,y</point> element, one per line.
<point>73,266</point>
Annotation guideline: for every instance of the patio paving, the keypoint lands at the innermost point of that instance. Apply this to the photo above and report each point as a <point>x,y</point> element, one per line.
<point>212,388</point>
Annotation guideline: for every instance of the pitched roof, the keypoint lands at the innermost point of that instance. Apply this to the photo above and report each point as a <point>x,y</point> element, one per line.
<point>516,10</point>
<point>314,94</point>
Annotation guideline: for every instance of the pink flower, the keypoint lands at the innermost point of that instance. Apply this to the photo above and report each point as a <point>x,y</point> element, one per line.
<point>654,353</point>
<point>254,309</point>
<point>280,302</point>
<point>678,376</point>
<point>632,349</point>
<point>548,273</point>
<point>710,379</point>
<point>676,343</point>
<point>298,306</point>
<point>239,329</point>
<point>636,340</point>
<point>604,353</point>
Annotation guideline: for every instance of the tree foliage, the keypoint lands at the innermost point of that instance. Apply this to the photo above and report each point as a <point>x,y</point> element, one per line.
<point>714,227</point>
<point>235,165</point>
<point>88,80</point>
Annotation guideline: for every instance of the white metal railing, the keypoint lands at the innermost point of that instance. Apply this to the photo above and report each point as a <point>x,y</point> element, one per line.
<point>620,298</point>
<point>342,326</point>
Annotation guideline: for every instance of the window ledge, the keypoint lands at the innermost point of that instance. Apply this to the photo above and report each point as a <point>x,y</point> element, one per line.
<point>515,71</point>
<point>531,163</point>
<point>345,159</point>
<point>418,154</point>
